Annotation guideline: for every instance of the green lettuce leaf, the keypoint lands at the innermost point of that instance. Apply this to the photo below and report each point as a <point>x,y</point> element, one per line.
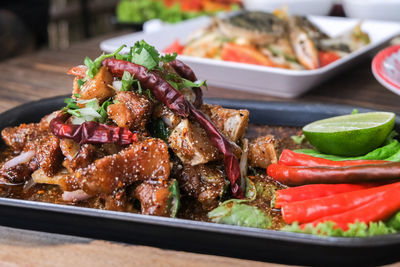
<point>236,212</point>
<point>357,229</point>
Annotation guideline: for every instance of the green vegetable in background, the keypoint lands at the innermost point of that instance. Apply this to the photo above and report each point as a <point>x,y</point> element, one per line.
<point>174,198</point>
<point>139,11</point>
<point>389,151</point>
<point>236,212</point>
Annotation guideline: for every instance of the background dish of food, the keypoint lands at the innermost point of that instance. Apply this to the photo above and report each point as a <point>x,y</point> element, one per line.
<point>211,238</point>
<point>302,7</point>
<point>260,79</point>
<point>372,9</point>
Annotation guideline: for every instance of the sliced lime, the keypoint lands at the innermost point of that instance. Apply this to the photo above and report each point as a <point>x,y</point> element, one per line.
<point>350,135</point>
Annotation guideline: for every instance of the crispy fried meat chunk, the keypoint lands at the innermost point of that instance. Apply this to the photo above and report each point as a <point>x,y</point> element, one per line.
<point>191,144</point>
<point>16,174</point>
<point>49,154</point>
<point>63,178</point>
<point>231,122</point>
<point>85,156</point>
<point>262,151</point>
<point>147,159</point>
<point>131,110</point>
<point>98,87</point>
<point>204,183</point>
<point>153,197</point>
<point>20,137</point>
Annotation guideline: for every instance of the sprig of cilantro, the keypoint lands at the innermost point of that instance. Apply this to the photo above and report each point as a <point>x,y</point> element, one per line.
<point>147,55</point>
<point>94,66</point>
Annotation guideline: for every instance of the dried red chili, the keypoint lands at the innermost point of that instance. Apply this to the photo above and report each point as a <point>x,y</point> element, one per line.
<point>91,132</point>
<point>159,87</point>
<point>218,140</point>
<point>187,73</point>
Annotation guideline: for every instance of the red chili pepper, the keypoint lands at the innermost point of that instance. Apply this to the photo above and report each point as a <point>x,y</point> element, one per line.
<point>187,73</point>
<point>312,191</point>
<point>91,132</point>
<point>299,175</point>
<point>314,209</point>
<point>381,207</point>
<point>291,158</point>
<point>218,140</point>
<point>159,87</point>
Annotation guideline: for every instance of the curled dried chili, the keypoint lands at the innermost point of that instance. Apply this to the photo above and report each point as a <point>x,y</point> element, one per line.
<point>218,140</point>
<point>91,132</point>
<point>158,86</point>
<point>187,73</point>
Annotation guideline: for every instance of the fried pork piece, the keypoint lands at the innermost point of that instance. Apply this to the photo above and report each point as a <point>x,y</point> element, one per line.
<point>83,158</point>
<point>147,159</point>
<point>16,174</point>
<point>131,110</point>
<point>154,198</point>
<point>204,183</point>
<point>69,148</point>
<point>63,178</point>
<point>21,136</point>
<point>168,117</point>
<point>231,122</point>
<point>98,87</point>
<point>262,151</point>
<point>191,144</point>
<point>49,154</point>
<point>27,136</point>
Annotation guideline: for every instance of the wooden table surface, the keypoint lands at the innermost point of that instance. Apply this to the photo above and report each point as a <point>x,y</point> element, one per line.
<point>42,75</point>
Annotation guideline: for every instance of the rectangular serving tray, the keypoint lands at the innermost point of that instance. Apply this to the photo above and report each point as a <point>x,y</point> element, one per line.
<point>260,79</point>
<point>194,236</point>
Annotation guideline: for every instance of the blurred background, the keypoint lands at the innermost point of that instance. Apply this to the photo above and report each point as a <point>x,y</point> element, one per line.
<point>28,25</point>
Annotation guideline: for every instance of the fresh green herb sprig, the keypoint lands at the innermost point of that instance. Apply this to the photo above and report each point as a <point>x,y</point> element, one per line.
<point>91,112</point>
<point>147,55</point>
<point>93,66</point>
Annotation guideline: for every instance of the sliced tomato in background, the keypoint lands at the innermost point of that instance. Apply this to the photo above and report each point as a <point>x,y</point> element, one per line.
<point>174,47</point>
<point>244,54</point>
<point>327,57</point>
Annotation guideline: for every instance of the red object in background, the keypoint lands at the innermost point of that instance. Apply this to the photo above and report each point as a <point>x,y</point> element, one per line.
<point>326,58</point>
<point>175,47</point>
<point>380,72</point>
<point>244,54</point>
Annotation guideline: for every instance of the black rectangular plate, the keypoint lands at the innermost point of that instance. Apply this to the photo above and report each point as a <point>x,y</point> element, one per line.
<point>201,237</point>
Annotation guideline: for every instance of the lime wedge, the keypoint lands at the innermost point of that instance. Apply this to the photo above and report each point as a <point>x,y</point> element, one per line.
<point>350,135</point>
